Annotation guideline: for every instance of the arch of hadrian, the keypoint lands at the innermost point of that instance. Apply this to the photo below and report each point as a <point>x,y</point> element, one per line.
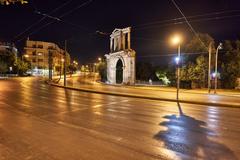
<point>120,49</point>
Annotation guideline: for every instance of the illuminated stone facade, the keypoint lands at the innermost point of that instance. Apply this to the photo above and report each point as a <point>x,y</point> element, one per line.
<point>38,53</point>
<point>121,59</point>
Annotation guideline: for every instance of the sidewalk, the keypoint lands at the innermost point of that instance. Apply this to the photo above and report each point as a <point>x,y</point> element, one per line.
<point>154,93</point>
<point>225,92</point>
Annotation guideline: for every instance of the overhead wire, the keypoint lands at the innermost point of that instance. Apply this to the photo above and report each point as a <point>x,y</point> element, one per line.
<point>172,54</point>
<point>58,19</point>
<point>43,18</point>
<point>183,22</point>
<point>189,17</point>
<point>188,23</point>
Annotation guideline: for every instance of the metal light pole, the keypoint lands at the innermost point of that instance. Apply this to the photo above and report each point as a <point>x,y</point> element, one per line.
<point>176,40</point>
<point>50,67</point>
<point>65,64</point>
<point>216,67</point>
<point>209,66</point>
<point>178,71</point>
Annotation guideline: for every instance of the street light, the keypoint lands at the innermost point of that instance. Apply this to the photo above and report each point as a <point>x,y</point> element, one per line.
<point>24,56</point>
<point>99,59</point>
<point>216,67</point>
<point>176,40</point>
<point>209,65</point>
<point>177,60</point>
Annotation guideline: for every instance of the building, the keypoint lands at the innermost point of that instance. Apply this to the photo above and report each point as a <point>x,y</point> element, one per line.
<point>40,53</point>
<point>121,59</point>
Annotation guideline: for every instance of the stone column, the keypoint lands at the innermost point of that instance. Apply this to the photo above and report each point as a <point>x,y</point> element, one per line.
<point>129,42</point>
<point>120,40</point>
<point>114,44</point>
<point>110,45</point>
<point>123,41</point>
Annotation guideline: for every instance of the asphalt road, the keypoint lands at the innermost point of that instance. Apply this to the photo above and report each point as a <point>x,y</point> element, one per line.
<point>40,122</point>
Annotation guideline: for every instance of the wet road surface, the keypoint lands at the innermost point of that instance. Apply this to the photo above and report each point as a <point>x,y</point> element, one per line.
<point>47,123</point>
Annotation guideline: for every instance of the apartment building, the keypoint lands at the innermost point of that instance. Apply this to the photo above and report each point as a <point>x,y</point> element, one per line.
<point>40,53</point>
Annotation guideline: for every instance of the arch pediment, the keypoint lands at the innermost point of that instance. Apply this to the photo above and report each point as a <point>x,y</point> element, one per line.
<point>116,30</point>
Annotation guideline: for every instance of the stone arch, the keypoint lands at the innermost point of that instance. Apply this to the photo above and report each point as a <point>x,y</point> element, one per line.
<point>119,71</point>
<point>119,58</point>
<point>116,59</point>
<point>121,55</point>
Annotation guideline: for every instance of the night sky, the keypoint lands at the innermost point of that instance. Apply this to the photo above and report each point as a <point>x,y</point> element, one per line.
<point>150,30</point>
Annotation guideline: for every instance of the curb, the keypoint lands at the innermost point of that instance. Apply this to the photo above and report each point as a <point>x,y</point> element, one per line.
<point>145,97</point>
<point>186,91</point>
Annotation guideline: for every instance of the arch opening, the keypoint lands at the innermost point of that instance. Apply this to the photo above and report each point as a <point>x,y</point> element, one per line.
<point>119,71</point>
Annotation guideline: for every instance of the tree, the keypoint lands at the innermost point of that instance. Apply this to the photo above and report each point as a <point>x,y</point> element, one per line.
<point>144,71</point>
<point>199,43</point>
<point>8,59</point>
<point>102,68</point>
<point>22,66</point>
<point>195,68</point>
<point>196,72</point>
<point>230,63</point>
<point>7,2</point>
<point>3,67</point>
<point>72,68</point>
<point>162,76</point>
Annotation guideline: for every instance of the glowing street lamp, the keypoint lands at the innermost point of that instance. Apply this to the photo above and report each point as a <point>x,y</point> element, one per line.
<point>176,40</point>
<point>75,62</point>
<point>177,60</point>
<point>214,75</point>
<point>24,56</point>
<point>99,59</point>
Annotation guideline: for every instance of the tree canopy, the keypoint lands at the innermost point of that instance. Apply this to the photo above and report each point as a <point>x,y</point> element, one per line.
<point>8,2</point>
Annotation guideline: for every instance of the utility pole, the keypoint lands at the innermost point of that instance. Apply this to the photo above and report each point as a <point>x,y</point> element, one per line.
<point>176,40</point>
<point>216,67</point>
<point>50,65</point>
<point>209,66</point>
<point>65,64</point>
<point>178,72</point>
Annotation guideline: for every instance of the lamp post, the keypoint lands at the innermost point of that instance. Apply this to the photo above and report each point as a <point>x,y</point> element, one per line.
<point>65,65</point>
<point>61,68</point>
<point>95,67</point>
<point>209,66</point>
<point>216,68</point>
<point>176,40</point>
